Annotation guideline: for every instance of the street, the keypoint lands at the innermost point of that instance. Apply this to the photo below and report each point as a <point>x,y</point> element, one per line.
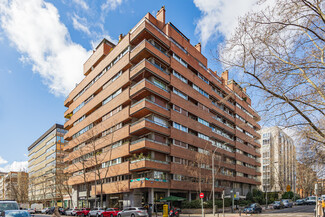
<point>297,211</point>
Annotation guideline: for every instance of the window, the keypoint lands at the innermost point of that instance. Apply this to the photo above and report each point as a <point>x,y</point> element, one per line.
<point>179,93</point>
<point>160,84</point>
<point>180,127</point>
<point>266,141</point>
<point>204,122</point>
<point>180,60</point>
<point>180,77</point>
<point>203,78</point>
<point>180,110</point>
<point>160,121</point>
<point>200,91</point>
<point>202,136</point>
<point>180,144</point>
<point>266,135</point>
<point>112,96</point>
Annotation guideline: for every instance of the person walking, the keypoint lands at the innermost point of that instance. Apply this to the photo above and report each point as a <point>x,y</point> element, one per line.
<point>323,207</point>
<point>319,209</point>
<point>150,210</point>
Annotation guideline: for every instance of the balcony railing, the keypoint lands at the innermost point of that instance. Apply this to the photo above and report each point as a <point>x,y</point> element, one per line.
<point>150,140</point>
<point>147,119</point>
<point>147,100</point>
<point>148,159</point>
<point>149,179</point>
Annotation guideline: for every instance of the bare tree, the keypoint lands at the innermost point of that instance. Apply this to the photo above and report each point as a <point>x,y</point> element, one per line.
<point>306,179</point>
<point>279,54</point>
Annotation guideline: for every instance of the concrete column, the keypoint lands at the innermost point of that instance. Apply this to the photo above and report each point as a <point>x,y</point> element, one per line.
<point>74,197</point>
<point>168,192</point>
<point>189,196</point>
<point>151,195</point>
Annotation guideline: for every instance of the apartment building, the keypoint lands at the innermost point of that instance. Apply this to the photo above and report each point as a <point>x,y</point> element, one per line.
<point>2,185</point>
<point>14,186</point>
<point>278,160</point>
<point>45,167</point>
<point>147,117</point>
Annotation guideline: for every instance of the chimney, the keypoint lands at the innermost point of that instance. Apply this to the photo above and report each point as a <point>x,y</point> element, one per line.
<point>160,16</point>
<point>224,75</point>
<point>244,89</point>
<point>120,37</point>
<point>198,47</point>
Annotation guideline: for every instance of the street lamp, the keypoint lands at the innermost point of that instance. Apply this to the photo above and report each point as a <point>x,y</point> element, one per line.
<point>213,205</point>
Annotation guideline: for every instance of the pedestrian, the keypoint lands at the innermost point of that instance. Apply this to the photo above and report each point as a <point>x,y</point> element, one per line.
<point>56,212</point>
<point>150,210</point>
<point>323,206</point>
<point>319,209</point>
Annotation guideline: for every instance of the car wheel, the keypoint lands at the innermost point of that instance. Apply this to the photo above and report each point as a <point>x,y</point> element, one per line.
<point>132,215</point>
<point>119,215</point>
<point>112,215</point>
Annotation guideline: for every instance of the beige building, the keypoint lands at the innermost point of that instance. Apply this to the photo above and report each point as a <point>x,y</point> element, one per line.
<point>14,186</point>
<point>278,160</point>
<point>45,166</point>
<point>2,185</point>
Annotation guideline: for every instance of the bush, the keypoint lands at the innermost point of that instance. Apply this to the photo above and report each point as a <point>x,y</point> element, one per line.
<point>287,195</point>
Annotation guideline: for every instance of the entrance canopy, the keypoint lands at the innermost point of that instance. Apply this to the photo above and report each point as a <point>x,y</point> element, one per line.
<point>172,198</point>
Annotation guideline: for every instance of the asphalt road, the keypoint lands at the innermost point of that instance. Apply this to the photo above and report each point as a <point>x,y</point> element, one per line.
<point>297,211</point>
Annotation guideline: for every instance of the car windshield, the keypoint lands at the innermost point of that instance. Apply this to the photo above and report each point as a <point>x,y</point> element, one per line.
<point>141,208</point>
<point>277,202</point>
<point>9,206</point>
<point>17,214</point>
<point>312,198</point>
<point>252,205</point>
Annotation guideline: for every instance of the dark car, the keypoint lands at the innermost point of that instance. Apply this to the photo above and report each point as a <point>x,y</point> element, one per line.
<point>253,208</point>
<point>278,205</point>
<point>16,213</point>
<point>301,202</point>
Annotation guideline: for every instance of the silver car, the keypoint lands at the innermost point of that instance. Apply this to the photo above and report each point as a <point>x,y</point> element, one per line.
<point>96,211</point>
<point>71,212</point>
<point>133,212</point>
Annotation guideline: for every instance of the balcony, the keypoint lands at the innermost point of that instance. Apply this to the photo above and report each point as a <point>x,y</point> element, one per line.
<point>149,144</point>
<point>146,125</point>
<point>145,87</point>
<point>144,107</point>
<point>149,183</point>
<point>148,68</point>
<point>145,164</point>
<point>145,50</point>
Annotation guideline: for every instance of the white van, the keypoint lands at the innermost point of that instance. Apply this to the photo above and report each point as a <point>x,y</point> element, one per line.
<point>311,200</point>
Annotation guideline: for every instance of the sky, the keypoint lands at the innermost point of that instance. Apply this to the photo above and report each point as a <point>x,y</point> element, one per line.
<point>44,43</point>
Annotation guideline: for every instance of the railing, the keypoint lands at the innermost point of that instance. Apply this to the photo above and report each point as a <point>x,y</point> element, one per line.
<point>149,179</point>
<point>148,159</point>
<point>150,83</point>
<point>146,119</point>
<point>150,140</point>
<point>150,102</point>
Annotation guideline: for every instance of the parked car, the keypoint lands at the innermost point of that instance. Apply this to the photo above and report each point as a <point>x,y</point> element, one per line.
<point>96,211</point>
<point>62,211</point>
<point>83,212</point>
<point>311,200</point>
<point>43,211</point>
<point>16,213</point>
<point>253,208</point>
<point>287,203</point>
<point>278,205</point>
<point>110,212</point>
<point>31,211</point>
<point>8,205</point>
<point>133,212</point>
<point>300,202</point>
<point>71,212</point>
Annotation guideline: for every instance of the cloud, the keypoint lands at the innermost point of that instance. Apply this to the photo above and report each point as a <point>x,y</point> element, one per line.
<point>82,4</point>
<point>80,24</point>
<point>220,16</point>
<point>111,4</point>
<point>14,166</point>
<point>2,161</point>
<point>34,28</point>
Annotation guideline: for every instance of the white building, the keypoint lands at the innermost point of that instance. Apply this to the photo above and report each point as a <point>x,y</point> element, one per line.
<point>278,160</point>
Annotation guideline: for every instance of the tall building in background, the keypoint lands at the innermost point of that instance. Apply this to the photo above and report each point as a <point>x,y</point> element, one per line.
<point>278,160</point>
<point>14,186</point>
<point>45,168</point>
<point>147,116</point>
<point>2,185</point>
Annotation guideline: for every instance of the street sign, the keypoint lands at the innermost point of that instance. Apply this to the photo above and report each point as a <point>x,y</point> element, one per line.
<point>288,188</point>
<point>201,195</point>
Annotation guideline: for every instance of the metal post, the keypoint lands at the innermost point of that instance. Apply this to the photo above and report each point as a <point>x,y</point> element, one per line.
<point>266,197</point>
<point>213,202</point>
<point>202,207</point>
<point>223,203</point>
